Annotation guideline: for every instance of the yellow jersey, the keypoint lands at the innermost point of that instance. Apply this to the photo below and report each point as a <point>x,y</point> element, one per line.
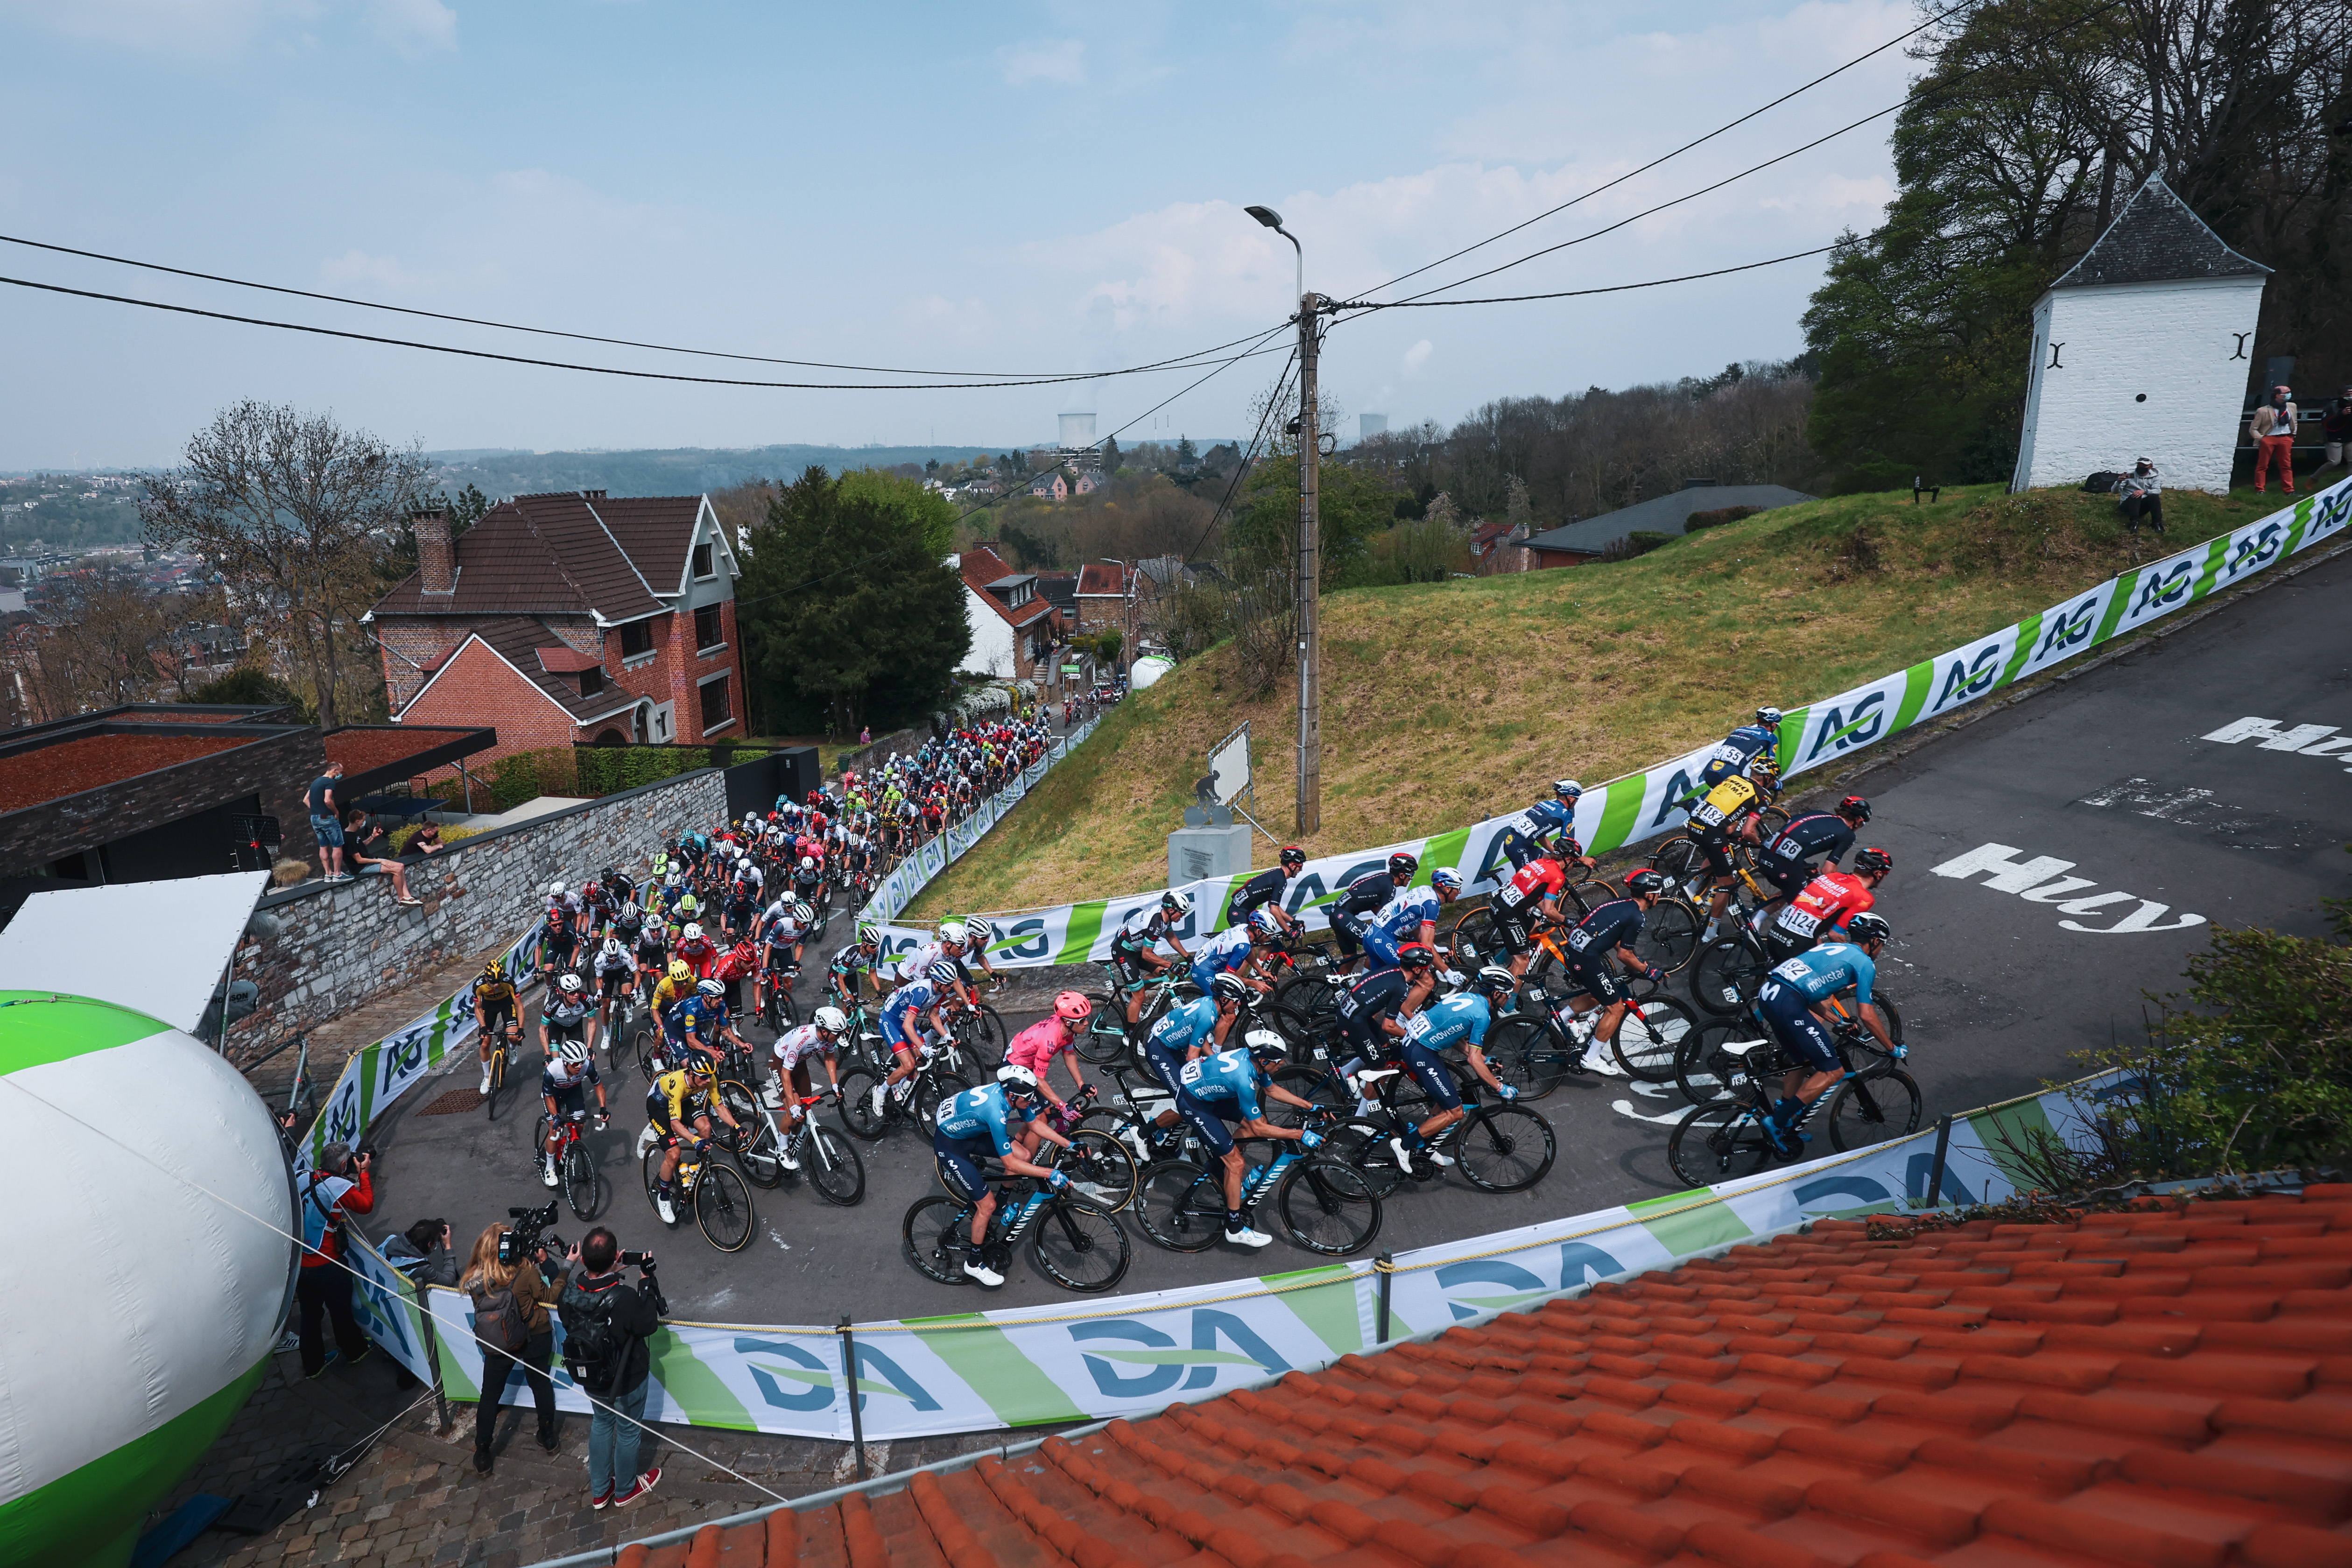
<point>1723,802</point>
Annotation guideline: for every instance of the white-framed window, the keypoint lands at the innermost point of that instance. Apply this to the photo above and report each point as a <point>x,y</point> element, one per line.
<point>718,704</point>
<point>706,559</point>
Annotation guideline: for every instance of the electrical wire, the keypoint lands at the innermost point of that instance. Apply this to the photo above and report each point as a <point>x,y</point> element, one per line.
<point>1177,363</point>
<point>1248,457</point>
<point>1578,293</point>
<point>596,370</point>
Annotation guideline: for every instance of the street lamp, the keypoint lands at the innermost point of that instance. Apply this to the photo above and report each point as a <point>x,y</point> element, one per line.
<point>1310,555</point>
<point>1272,220</point>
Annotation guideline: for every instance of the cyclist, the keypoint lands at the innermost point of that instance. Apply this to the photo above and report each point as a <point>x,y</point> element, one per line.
<point>1741,748</point>
<point>820,1037</point>
<point>1532,896</point>
<point>808,881</point>
<point>566,1012</point>
<point>1411,917</point>
<point>1727,815</point>
<point>564,1085</point>
<point>857,961</point>
<point>1530,832</point>
<point>1790,1003</point>
<point>558,941</point>
<point>1265,891</point>
<point>976,1124</point>
<point>1371,1010</point>
<point>1035,1046</point>
<point>494,1011</point>
<point>1593,981</point>
<point>1134,955</point>
<point>615,971</point>
<point>977,934</point>
<point>652,944</point>
<point>1460,1020</point>
<point>697,951</point>
<point>1228,1087</point>
<point>703,1019</point>
<point>1810,845</point>
<point>782,930</point>
<point>1365,897</point>
<point>679,1105</point>
<point>903,1014</point>
<point>1830,901</point>
<point>1200,1026</point>
<point>1236,951</point>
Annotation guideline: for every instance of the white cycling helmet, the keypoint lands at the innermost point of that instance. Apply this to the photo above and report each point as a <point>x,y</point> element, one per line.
<point>711,987</point>
<point>977,931</point>
<point>693,931</point>
<point>568,985</point>
<point>830,1020</point>
<point>803,912</point>
<point>808,863</point>
<point>555,890</point>
<point>612,947</point>
<point>574,1052</point>
<point>1013,1075</point>
<point>952,930</point>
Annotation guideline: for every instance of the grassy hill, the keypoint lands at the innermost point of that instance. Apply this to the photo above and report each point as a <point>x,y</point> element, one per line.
<point>1449,702</point>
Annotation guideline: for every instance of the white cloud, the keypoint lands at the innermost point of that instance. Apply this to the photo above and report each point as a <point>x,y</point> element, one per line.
<point>1418,356</point>
<point>413,26</point>
<point>1060,60</point>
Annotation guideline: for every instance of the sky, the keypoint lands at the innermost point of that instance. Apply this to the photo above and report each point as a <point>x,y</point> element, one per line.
<point>1036,188</point>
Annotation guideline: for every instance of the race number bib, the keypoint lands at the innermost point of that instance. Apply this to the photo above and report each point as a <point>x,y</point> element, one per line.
<point>1417,1027</point>
<point>1579,939</point>
<point>1191,1075</point>
<point>1800,921</point>
<point>1708,814</point>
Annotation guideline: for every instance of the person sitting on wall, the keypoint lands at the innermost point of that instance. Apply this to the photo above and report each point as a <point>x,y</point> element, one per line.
<point>370,848</point>
<point>2143,497</point>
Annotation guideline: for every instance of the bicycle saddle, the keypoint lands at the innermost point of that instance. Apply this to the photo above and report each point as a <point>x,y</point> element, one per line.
<point>1741,1047</point>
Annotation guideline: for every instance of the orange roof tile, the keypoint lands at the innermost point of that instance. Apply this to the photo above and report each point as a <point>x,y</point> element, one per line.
<point>2170,1386</point>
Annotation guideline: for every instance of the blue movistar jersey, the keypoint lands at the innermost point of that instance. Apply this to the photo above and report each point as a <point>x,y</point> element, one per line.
<point>1187,1026</point>
<point>1458,1020</point>
<point>1402,916</point>
<point>1740,749</point>
<point>977,1113</point>
<point>1228,1078</point>
<point>1828,969</point>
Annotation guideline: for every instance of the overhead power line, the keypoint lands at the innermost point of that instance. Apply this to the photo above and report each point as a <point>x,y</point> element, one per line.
<point>1575,293</point>
<point>1176,363</point>
<point>596,369</point>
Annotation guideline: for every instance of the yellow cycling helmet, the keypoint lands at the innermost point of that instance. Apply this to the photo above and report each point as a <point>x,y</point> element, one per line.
<point>679,972</point>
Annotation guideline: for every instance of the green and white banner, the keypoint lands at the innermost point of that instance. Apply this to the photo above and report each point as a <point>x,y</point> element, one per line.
<point>1131,1355</point>
<point>1644,804</point>
<point>899,888</point>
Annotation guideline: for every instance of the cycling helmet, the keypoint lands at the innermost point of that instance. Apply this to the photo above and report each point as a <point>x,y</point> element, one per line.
<point>693,931</point>
<point>1769,717</point>
<point>1229,989</point>
<point>1073,1007</point>
<point>1871,860</point>
<point>711,988</point>
<point>830,1020</point>
<point>868,933</point>
<point>1265,1045</point>
<point>1494,980</point>
<point>801,912</point>
<point>1645,881</point>
<point>1292,855</point>
<point>1403,865</point>
<point>808,863</point>
<point>1416,956</point>
<point>941,973</point>
<point>1264,922</point>
<point>573,1052</point>
<point>1854,808</point>
<point>569,984</point>
<point>555,890</point>
<point>698,1064</point>
<point>1177,904</point>
<point>1017,1079</point>
<point>612,948</point>
<point>1446,880</point>
<point>494,970</point>
<point>690,904</point>
<point>976,931</point>
<point>1568,789</point>
<point>1867,929</point>
<point>679,971</point>
<point>952,930</point>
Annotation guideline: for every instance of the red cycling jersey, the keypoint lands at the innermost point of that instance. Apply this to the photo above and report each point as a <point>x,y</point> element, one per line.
<point>1541,878</point>
<point>699,956</point>
<point>1827,902</point>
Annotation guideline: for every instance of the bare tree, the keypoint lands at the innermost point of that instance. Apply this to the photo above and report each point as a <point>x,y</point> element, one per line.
<point>294,513</point>
<point>106,639</point>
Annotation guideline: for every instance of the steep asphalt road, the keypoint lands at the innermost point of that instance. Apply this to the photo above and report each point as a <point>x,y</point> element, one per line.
<point>2053,862</point>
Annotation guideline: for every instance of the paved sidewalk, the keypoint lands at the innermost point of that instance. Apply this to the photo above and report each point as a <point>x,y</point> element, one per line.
<point>414,1498</point>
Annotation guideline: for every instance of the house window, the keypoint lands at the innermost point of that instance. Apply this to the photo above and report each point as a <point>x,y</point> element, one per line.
<point>715,713</point>
<point>708,630</point>
<point>636,638</point>
<point>705,563</point>
<point>591,682</point>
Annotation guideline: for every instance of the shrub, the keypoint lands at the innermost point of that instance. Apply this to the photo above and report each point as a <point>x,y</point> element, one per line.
<point>1717,517</point>
<point>1640,541</point>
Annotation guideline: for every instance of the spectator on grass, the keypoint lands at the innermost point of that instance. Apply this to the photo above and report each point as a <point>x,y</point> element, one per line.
<point>490,1282</point>
<point>2272,428</point>
<point>2338,428</point>
<point>339,1188</point>
<point>371,849</point>
<point>327,823</point>
<point>2143,492</point>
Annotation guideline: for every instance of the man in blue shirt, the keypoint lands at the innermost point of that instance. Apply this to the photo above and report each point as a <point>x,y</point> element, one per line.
<point>1228,1087</point>
<point>1525,836</point>
<point>1740,748</point>
<point>1351,912</point>
<point>1235,951</point>
<point>1460,1020</point>
<point>1790,1003</point>
<point>1411,917</point>
<point>904,1012</point>
<point>976,1124</point>
<point>1199,1026</point>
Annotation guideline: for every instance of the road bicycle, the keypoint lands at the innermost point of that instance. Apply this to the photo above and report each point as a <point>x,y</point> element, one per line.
<point>1533,1049</point>
<point>1108,1037</point>
<point>714,1192</point>
<point>1319,1202</point>
<point>979,1033</point>
<point>827,1161</point>
<point>1500,1147</point>
<point>777,1009</point>
<point>575,1165</point>
<point>1706,1070</point>
<point>1074,1241</point>
<point>937,1077</point>
<point>1726,1138</point>
<point>1130,1113</point>
<point>1098,1163</point>
<point>615,1028</point>
<point>506,1044</point>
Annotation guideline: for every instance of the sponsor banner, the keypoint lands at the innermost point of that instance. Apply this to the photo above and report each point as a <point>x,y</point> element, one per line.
<point>1645,804</point>
<point>384,1302</point>
<point>1132,1355</point>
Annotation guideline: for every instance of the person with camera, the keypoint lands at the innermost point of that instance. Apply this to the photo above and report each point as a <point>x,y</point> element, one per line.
<point>511,1296</point>
<point>338,1188</point>
<point>606,1323</point>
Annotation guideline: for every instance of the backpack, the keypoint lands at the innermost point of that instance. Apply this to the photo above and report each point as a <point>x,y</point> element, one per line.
<point>593,1348</point>
<point>498,1320</point>
<point>2101,483</point>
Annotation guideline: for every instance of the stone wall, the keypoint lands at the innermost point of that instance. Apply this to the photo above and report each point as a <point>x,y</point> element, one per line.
<point>347,944</point>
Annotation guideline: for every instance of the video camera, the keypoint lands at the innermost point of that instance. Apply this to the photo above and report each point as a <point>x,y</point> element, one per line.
<point>528,1234</point>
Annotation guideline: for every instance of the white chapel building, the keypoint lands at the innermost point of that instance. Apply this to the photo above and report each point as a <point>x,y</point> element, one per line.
<point>2141,350</point>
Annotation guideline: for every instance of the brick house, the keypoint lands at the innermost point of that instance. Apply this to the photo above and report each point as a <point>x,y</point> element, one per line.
<point>1014,626</point>
<point>1108,590</point>
<point>567,617</point>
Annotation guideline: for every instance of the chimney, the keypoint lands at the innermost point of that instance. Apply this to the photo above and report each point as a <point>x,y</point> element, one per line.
<point>592,495</point>
<point>436,557</point>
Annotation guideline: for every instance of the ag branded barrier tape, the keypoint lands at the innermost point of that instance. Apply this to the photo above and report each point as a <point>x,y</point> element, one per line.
<point>1132,1355</point>
<point>1645,804</point>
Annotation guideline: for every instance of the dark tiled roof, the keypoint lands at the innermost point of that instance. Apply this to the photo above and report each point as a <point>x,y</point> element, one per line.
<point>563,661</point>
<point>655,530</point>
<point>563,554</point>
<point>1661,514</point>
<point>2157,239</point>
<point>2169,1387</point>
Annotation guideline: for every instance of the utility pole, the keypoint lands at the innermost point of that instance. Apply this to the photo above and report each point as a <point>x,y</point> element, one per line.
<point>1310,569</point>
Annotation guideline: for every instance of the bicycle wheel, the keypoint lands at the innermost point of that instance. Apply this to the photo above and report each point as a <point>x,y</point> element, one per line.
<point>650,1061</point>
<point>1526,1054</point>
<point>1079,1245</point>
<point>786,1011</point>
<point>584,1184</point>
<point>933,1235</point>
<point>762,1164</point>
<point>1364,1146</point>
<point>1718,1142</point>
<point>1310,1084</point>
<point>931,1089</point>
<point>1590,895</point>
<point>1724,979</point>
<point>722,1207</point>
<point>1504,1148</point>
<point>1669,937</point>
<point>831,1164</point>
<point>1180,1206</point>
<point>1678,859</point>
<point>857,1110</point>
<point>741,1103</point>
<point>1471,939</point>
<point>1328,1208</point>
<point>1871,1110</point>
<point>1100,1169</point>
<point>1704,1071</point>
<point>617,1036</point>
<point>1104,1040</point>
<point>497,1082</point>
<point>1653,1032</point>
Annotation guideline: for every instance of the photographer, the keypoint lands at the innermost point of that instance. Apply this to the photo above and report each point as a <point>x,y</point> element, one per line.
<point>337,1189</point>
<point>606,1325</point>
<point>511,1296</point>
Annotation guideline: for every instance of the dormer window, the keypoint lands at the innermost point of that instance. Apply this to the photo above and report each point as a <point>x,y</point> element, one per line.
<point>706,562</point>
